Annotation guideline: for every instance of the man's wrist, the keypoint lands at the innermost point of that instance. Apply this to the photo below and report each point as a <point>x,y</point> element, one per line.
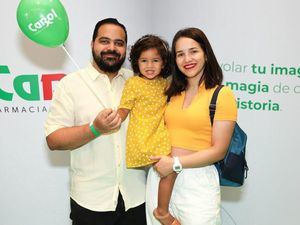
<point>95,132</point>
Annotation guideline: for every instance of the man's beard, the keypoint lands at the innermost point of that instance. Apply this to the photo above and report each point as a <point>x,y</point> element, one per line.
<point>106,65</point>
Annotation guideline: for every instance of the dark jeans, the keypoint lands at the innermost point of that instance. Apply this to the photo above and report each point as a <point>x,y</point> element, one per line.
<point>134,216</point>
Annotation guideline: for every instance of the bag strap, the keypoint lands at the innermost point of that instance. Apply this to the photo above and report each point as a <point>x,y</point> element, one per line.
<point>213,104</point>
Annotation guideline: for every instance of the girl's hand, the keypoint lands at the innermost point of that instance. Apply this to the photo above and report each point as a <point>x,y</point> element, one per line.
<point>107,121</point>
<point>164,166</point>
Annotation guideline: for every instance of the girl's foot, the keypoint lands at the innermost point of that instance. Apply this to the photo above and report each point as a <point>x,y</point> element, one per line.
<point>166,219</point>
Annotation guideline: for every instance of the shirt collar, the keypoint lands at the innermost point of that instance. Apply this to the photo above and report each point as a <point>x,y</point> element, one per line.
<point>200,88</point>
<point>94,74</point>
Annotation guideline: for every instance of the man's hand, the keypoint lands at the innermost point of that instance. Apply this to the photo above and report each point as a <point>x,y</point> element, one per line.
<point>106,121</point>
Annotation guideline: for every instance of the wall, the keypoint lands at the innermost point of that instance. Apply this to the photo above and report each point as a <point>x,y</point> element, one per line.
<point>245,35</point>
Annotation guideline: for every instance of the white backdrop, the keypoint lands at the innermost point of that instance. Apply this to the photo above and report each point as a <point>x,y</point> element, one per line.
<point>248,37</point>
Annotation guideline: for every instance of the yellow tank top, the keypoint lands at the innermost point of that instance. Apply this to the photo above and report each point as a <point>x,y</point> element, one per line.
<point>190,128</point>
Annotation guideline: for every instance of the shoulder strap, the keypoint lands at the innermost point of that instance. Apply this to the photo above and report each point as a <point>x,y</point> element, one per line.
<point>213,104</point>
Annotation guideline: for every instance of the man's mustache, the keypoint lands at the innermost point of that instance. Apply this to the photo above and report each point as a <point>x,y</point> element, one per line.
<point>109,52</point>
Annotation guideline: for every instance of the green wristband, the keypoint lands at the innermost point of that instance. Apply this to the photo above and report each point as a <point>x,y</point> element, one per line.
<point>94,131</point>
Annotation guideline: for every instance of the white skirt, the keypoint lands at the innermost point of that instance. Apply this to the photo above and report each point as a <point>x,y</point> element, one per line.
<point>195,198</point>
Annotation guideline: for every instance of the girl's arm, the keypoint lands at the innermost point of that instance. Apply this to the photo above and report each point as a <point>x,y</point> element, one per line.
<point>123,113</point>
<point>221,136</point>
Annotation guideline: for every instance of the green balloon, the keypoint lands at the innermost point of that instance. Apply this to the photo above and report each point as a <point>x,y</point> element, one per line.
<point>43,21</point>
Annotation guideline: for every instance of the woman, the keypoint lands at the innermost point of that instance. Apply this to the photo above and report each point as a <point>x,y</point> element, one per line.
<point>195,144</point>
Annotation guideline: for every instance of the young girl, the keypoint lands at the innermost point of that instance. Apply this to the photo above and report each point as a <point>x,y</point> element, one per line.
<point>143,96</point>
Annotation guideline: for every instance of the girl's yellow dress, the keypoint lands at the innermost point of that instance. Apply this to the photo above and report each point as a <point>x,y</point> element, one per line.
<point>147,134</point>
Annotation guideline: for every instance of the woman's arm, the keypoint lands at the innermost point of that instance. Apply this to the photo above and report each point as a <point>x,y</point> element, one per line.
<point>221,136</point>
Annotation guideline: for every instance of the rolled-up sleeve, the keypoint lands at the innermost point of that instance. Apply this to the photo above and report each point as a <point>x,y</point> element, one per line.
<point>61,110</point>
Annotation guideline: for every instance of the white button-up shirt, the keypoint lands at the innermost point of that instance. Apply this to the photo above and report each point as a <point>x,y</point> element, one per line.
<point>97,169</point>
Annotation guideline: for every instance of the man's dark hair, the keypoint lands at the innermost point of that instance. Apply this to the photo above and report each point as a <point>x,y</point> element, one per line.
<point>108,21</point>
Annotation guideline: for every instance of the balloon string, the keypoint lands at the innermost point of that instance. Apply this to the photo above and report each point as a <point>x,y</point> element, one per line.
<point>63,47</point>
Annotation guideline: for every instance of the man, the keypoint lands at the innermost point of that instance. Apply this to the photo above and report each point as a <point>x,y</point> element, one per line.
<point>81,119</point>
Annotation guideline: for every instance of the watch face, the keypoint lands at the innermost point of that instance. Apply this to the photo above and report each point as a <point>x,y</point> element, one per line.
<point>177,167</point>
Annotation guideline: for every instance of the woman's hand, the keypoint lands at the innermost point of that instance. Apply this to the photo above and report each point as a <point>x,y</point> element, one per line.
<point>164,166</point>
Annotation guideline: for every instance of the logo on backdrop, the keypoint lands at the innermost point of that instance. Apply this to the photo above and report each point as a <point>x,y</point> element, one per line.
<point>28,92</point>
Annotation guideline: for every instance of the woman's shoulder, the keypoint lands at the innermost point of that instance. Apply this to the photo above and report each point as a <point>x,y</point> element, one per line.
<point>226,91</point>
<point>225,94</point>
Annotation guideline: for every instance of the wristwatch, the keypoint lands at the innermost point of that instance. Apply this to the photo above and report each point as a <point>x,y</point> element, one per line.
<point>177,167</point>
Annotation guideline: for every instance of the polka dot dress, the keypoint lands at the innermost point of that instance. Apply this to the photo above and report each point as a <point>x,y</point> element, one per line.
<point>146,135</point>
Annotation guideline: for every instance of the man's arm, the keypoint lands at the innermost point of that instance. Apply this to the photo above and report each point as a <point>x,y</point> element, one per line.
<point>70,138</point>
